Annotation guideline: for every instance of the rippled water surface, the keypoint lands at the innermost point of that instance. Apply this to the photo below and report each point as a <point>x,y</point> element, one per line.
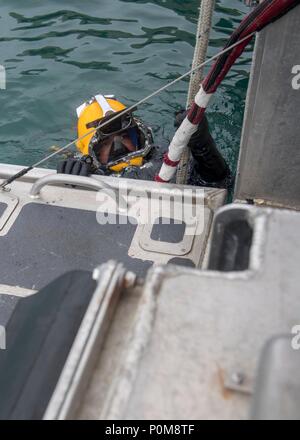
<point>58,53</point>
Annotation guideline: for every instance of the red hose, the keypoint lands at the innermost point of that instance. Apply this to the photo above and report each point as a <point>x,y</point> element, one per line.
<point>264,14</point>
<point>267,12</point>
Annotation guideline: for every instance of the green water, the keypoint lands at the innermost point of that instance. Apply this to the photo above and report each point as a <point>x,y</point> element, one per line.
<point>58,53</point>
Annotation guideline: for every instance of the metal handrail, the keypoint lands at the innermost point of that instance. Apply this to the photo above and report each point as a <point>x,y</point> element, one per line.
<point>53,179</point>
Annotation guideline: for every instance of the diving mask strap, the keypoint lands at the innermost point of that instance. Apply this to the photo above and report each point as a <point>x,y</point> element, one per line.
<point>102,101</point>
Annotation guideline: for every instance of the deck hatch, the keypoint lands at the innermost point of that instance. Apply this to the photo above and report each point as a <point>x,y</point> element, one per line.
<point>168,230</point>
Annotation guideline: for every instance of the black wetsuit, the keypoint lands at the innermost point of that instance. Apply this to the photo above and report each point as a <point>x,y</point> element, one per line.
<point>207,168</point>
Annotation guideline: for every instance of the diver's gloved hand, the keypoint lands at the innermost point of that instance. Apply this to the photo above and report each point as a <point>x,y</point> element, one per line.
<point>179,117</point>
<point>76,167</point>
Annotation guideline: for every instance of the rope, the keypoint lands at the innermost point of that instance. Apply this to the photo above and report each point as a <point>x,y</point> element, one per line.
<point>124,112</point>
<point>202,41</point>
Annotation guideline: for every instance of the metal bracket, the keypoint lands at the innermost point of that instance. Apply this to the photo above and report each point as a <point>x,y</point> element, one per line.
<point>238,381</point>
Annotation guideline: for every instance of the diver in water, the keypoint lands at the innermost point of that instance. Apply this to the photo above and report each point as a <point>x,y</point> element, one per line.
<point>125,147</point>
<point>121,145</point>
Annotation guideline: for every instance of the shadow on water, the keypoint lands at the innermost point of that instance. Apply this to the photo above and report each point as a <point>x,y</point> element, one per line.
<point>59,53</point>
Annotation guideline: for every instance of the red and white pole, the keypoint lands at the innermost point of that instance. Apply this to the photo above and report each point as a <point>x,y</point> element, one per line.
<point>265,13</point>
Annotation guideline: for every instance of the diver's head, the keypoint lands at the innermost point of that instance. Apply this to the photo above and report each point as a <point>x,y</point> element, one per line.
<point>92,113</point>
<point>120,143</point>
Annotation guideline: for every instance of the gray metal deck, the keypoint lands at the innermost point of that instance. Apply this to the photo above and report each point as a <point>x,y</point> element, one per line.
<point>194,333</point>
<point>45,236</point>
<point>46,241</point>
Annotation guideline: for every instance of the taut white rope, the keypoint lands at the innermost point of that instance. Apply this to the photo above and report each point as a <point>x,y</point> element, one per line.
<point>124,112</point>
